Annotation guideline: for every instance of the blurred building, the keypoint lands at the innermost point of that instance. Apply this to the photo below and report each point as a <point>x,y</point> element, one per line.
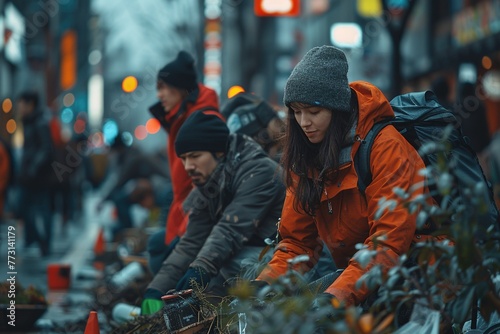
<point>95,62</point>
<point>45,48</point>
<point>461,39</point>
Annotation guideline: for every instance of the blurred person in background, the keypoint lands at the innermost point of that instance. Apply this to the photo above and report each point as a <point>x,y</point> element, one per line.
<point>36,174</point>
<point>470,110</point>
<point>62,199</point>
<point>129,163</point>
<point>179,95</point>
<point>233,208</point>
<point>6,173</point>
<point>150,193</point>
<point>250,115</point>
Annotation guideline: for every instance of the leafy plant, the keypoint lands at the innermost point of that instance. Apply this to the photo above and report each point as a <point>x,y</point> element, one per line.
<point>23,296</point>
<point>452,272</point>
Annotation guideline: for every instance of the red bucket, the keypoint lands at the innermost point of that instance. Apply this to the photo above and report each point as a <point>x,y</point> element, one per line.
<point>58,276</point>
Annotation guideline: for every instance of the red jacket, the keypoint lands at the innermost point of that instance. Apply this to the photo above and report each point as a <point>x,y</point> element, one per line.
<point>394,163</point>
<point>5,173</point>
<point>181,182</point>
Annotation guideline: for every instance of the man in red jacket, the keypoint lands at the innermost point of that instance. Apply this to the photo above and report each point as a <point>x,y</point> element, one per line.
<point>179,96</point>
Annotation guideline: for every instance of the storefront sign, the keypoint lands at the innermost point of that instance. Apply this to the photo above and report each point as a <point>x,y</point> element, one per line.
<point>475,23</point>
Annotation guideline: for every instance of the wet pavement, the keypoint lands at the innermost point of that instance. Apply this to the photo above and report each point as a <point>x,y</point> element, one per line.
<point>73,245</point>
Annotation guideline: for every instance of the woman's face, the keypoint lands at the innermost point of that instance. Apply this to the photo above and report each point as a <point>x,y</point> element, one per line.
<point>313,120</point>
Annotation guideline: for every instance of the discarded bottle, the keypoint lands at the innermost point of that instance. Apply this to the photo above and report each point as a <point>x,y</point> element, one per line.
<point>127,275</point>
<point>123,312</point>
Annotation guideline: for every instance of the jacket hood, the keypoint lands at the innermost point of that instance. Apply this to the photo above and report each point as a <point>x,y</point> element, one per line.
<point>241,149</point>
<point>373,106</point>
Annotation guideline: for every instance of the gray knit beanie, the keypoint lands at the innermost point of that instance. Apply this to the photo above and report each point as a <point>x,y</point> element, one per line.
<point>320,78</point>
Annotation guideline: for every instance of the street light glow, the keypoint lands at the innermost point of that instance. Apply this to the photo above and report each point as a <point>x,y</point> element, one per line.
<point>346,35</point>
<point>129,84</point>
<point>7,105</point>
<point>153,126</point>
<point>11,126</point>
<point>140,132</point>
<point>68,100</point>
<point>234,90</point>
<point>96,100</point>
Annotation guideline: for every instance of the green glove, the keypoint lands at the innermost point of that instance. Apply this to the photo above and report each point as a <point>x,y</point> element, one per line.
<point>152,302</point>
<point>150,306</point>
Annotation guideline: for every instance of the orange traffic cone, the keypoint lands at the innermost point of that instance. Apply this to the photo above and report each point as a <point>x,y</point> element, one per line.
<point>92,326</point>
<point>99,249</point>
<point>100,243</point>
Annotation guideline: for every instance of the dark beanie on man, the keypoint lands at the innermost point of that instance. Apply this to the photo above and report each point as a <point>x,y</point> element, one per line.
<point>202,131</point>
<point>320,78</point>
<point>180,72</point>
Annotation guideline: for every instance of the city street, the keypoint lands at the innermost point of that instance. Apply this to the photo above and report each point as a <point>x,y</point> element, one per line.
<point>177,163</point>
<point>73,247</point>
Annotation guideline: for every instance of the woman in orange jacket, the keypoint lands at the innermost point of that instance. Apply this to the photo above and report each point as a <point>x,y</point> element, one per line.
<point>328,119</point>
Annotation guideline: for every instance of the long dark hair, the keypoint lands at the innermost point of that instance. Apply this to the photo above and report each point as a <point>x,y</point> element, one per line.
<point>310,161</point>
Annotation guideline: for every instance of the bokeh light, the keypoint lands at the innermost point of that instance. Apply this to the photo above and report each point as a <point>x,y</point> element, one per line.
<point>486,62</point>
<point>127,137</point>
<point>110,130</point>
<point>140,132</point>
<point>95,57</point>
<point>7,105</point>
<point>234,90</point>
<point>11,126</point>
<point>129,84</point>
<point>153,126</point>
<point>67,115</point>
<point>97,139</point>
<point>79,126</point>
<point>68,100</point>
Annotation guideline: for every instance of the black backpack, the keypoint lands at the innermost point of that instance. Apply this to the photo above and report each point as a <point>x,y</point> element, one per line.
<point>421,119</point>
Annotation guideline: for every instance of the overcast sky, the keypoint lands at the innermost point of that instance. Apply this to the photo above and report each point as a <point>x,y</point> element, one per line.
<point>146,33</point>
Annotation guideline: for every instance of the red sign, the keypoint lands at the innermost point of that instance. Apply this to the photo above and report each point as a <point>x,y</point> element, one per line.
<point>277,7</point>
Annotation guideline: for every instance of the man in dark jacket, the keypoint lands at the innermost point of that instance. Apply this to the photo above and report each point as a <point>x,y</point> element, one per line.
<point>36,172</point>
<point>234,206</point>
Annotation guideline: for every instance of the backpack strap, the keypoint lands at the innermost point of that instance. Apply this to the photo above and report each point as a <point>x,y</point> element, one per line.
<point>362,157</point>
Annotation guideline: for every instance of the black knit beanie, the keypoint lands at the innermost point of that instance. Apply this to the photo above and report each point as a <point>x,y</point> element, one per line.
<point>250,118</point>
<point>180,72</point>
<point>202,131</point>
<point>320,78</point>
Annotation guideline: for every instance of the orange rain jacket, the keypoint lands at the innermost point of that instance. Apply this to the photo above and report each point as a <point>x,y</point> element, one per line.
<point>394,163</point>
<point>181,182</point>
